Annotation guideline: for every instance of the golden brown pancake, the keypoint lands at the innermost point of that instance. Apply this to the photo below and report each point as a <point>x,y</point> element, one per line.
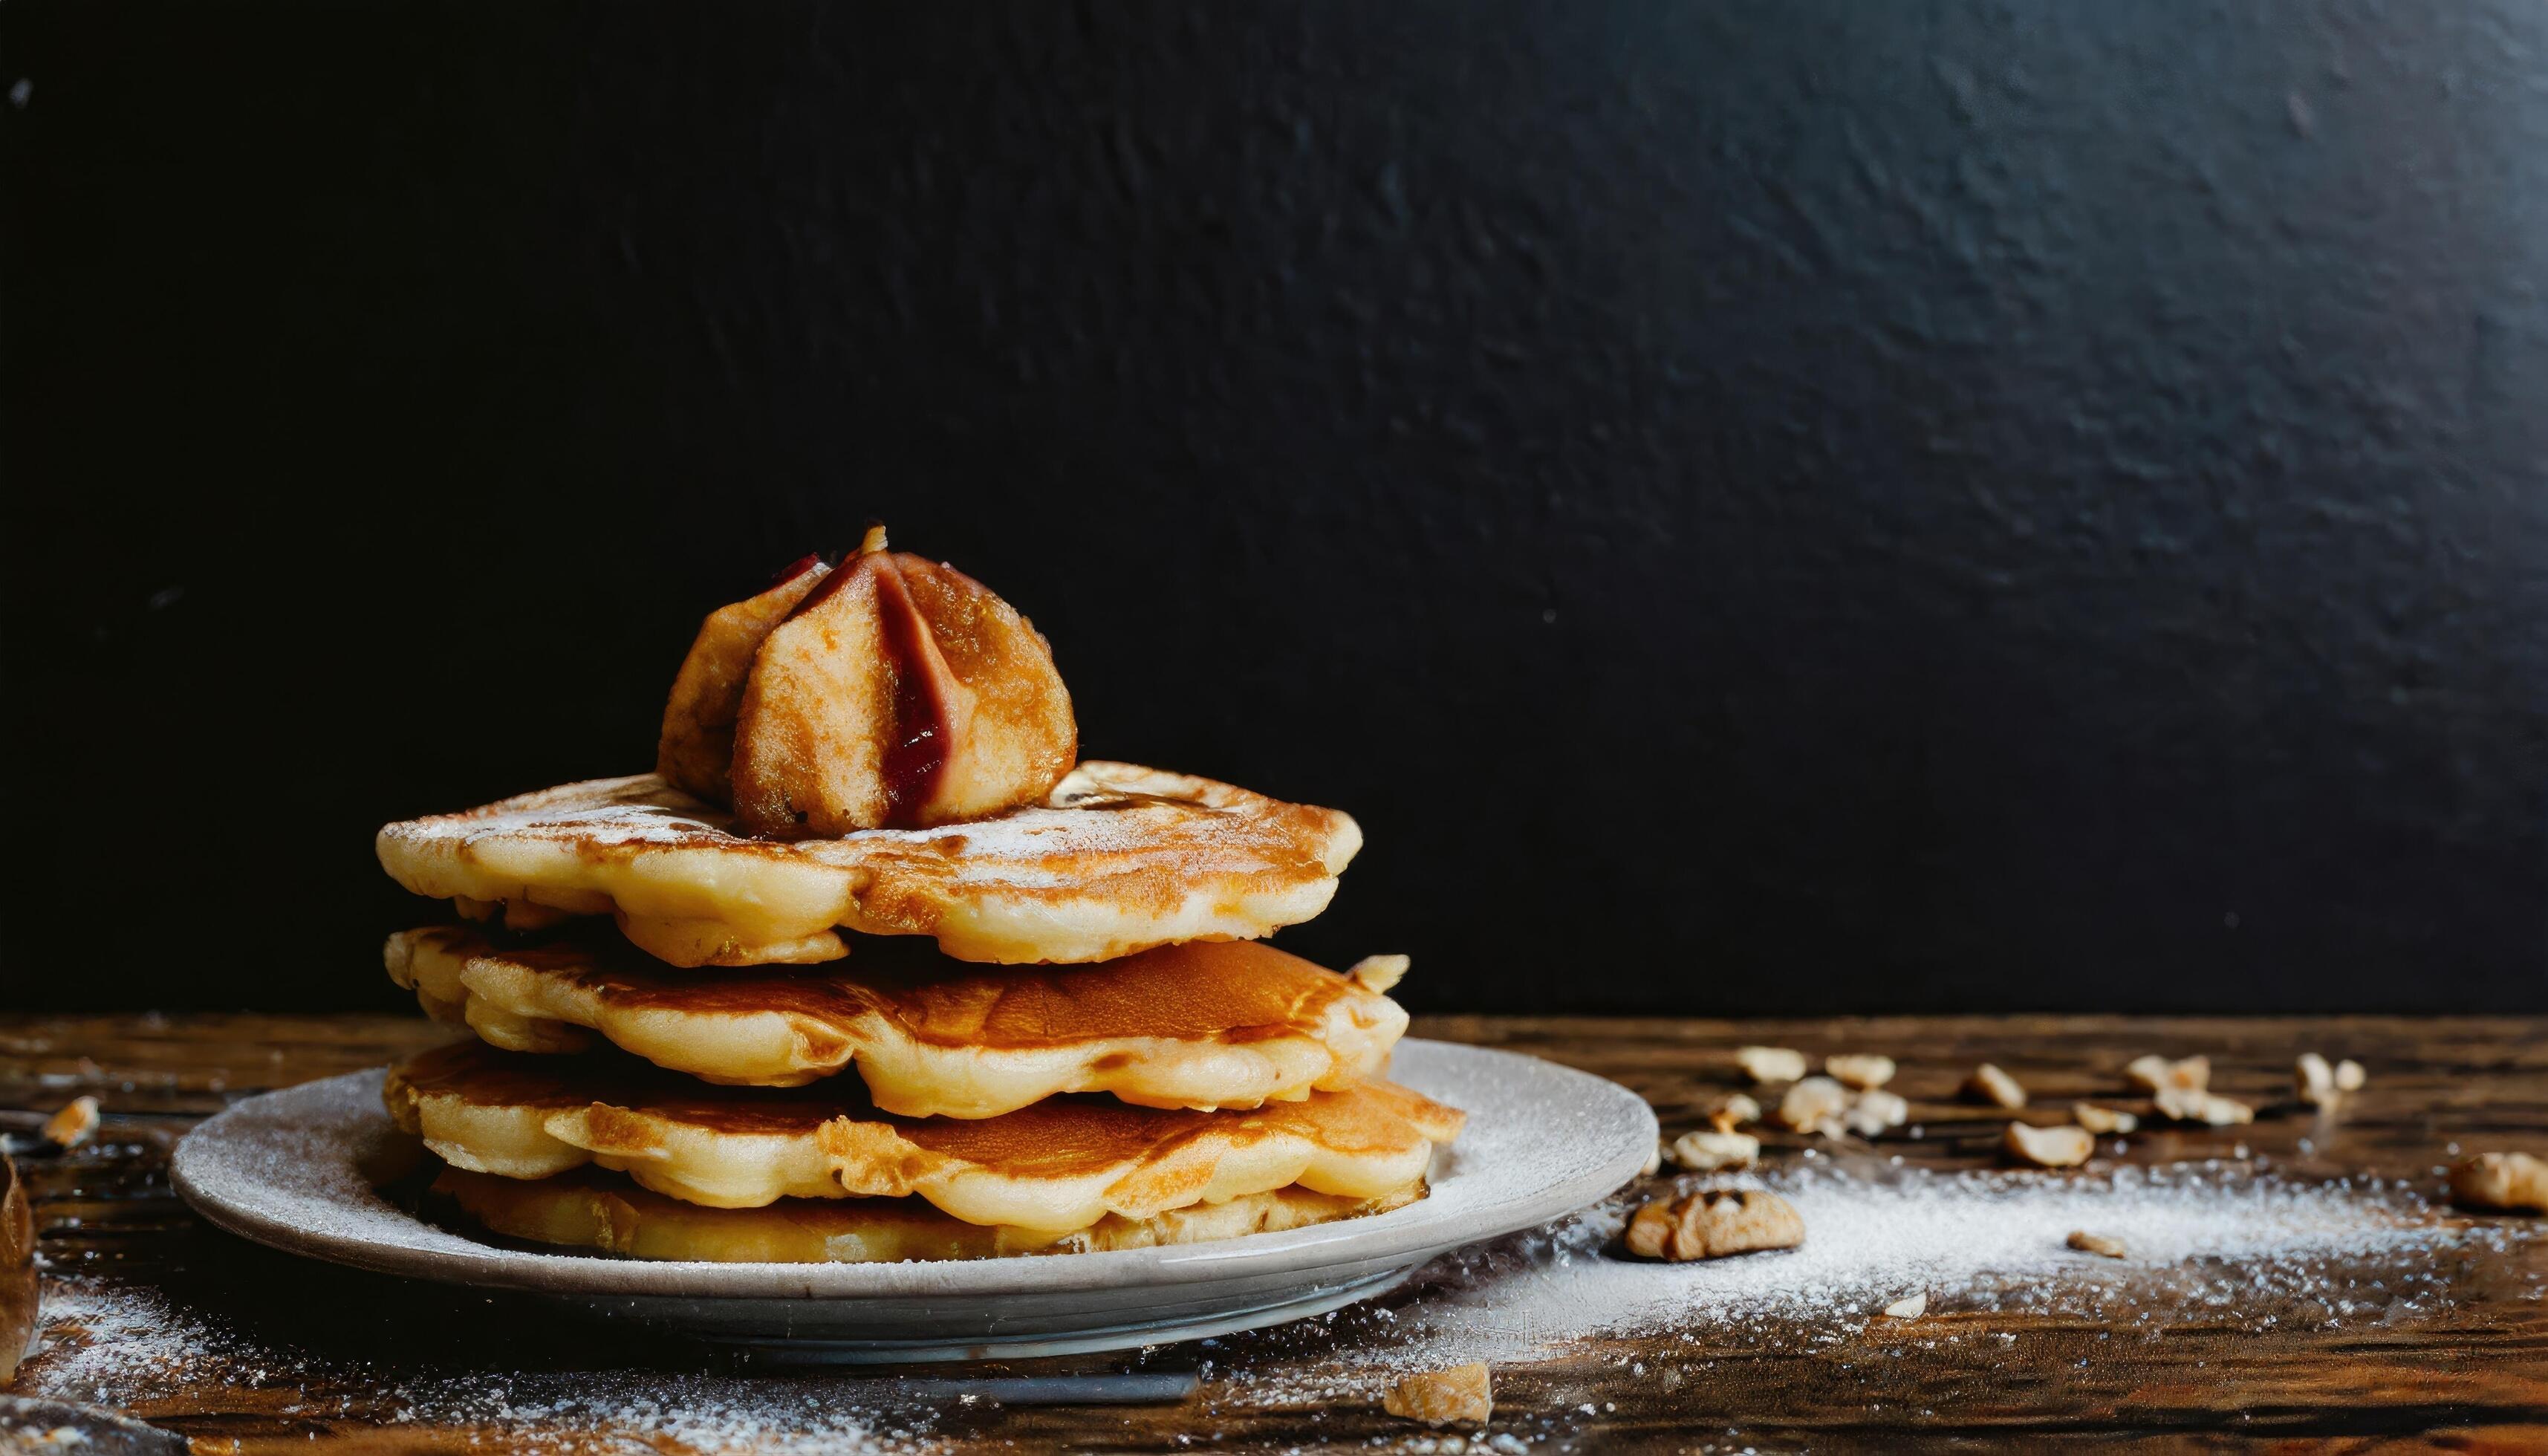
<point>605,1212</point>
<point>1061,1164</point>
<point>1204,1025</point>
<point>1117,858</point>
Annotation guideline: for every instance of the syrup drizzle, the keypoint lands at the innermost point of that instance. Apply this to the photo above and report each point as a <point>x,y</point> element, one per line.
<point>915,750</point>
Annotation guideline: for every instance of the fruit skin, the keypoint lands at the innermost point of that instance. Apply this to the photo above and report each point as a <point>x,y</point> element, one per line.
<point>902,694</point>
<point>696,751</point>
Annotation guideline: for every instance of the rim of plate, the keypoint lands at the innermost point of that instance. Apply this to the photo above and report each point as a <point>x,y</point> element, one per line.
<point>1542,1142</point>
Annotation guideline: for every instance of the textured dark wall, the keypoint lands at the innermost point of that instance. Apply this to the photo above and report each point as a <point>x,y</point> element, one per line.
<point>1754,505</point>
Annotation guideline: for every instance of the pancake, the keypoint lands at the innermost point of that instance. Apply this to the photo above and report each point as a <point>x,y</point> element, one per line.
<point>604,1213</point>
<point>1061,1164</point>
<point>1204,1025</point>
<point>1117,858</point>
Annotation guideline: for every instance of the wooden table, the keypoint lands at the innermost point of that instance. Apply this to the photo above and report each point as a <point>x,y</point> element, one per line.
<point>2469,1372</point>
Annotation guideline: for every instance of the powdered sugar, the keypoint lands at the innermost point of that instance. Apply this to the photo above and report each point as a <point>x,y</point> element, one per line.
<point>2213,1241</point>
<point>108,1344</point>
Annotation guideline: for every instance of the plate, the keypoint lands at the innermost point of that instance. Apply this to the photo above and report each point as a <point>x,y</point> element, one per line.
<point>288,1169</point>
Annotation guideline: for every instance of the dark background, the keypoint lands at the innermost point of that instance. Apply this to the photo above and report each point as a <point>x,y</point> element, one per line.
<point>1797,506</point>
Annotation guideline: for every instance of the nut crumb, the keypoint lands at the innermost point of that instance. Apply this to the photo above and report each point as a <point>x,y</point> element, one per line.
<point>1710,1225</point>
<point>1910,1309</point>
<point>1771,1063</point>
<point>1995,1087</point>
<point>1812,1103</point>
<point>2155,1073</point>
<point>1732,1111</point>
<point>1462,1393</point>
<point>2194,1105</point>
<point>1875,1111</point>
<point>1715,1152</point>
<point>2349,1075</point>
<point>1861,1070</point>
<point>2050,1148</point>
<point>1654,1162</point>
<point>2102,1118</point>
<point>2316,1080</point>
<point>74,1125</point>
<point>1379,973</point>
<point>2501,1180</point>
<point>2095,1243</point>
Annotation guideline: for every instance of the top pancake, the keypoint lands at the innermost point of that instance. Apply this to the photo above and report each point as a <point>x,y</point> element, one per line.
<point>1119,859</point>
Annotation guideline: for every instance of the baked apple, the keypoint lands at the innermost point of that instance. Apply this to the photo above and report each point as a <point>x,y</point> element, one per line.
<point>897,692</point>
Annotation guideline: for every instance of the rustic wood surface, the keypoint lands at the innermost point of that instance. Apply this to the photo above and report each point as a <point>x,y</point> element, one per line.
<point>2468,1373</point>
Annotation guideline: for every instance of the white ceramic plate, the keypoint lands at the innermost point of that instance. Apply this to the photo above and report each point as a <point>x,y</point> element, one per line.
<point>287,1170</point>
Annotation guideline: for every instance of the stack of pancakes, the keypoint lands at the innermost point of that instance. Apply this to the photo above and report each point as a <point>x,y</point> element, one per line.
<point>704,1030</point>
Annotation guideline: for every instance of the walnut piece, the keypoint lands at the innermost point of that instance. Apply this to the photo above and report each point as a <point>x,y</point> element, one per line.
<point>2050,1148</point>
<point>1995,1087</point>
<point>1711,1225</point>
<point>2195,1104</point>
<point>1812,1103</point>
<point>74,1125</point>
<point>2501,1180</point>
<point>1859,1071</point>
<point>1771,1063</point>
<point>2316,1080</point>
<point>2154,1073</point>
<point>2102,1118</point>
<point>1732,1111</point>
<point>1910,1309</point>
<point>2349,1075</point>
<point>1462,1393</point>
<point>1715,1152</point>
<point>2095,1243</point>
<point>1875,1111</point>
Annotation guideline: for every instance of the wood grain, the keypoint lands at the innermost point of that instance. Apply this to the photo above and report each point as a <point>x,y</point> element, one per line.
<point>2469,1372</point>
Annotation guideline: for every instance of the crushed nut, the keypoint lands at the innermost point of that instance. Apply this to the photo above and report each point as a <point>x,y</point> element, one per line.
<point>2194,1105</point>
<point>1462,1393</point>
<point>1859,1071</point>
<point>2501,1180</point>
<point>1654,1162</point>
<point>1771,1063</point>
<point>1995,1087</point>
<point>1910,1309</point>
<point>2156,1073</point>
<point>2050,1148</point>
<point>2316,1080</point>
<point>74,1125</point>
<point>1710,1225</point>
<point>1811,1102</point>
<point>1732,1111</point>
<point>1715,1152</point>
<point>2095,1243</point>
<point>1378,973</point>
<point>2102,1118</point>
<point>1875,1110</point>
<point>2348,1076</point>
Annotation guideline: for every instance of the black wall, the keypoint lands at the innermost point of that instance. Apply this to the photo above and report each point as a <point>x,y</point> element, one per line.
<point>1806,505</point>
